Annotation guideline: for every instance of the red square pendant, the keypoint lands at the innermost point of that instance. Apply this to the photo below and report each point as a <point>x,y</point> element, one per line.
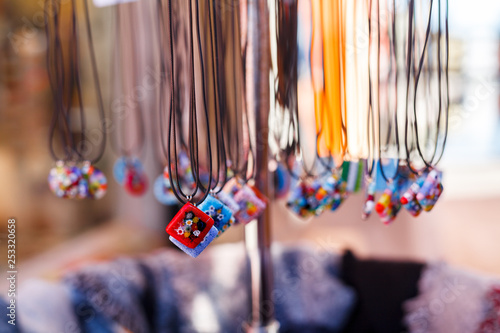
<point>190,226</point>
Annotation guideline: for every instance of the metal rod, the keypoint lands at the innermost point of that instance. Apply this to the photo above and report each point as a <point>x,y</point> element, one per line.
<point>258,233</point>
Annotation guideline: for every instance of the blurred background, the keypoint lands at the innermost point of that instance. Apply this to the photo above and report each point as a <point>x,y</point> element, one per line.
<point>55,234</point>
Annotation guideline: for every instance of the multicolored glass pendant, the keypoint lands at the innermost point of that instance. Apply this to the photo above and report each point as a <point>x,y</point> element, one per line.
<point>369,204</point>
<point>388,205</point>
<point>251,206</point>
<point>333,192</point>
<point>251,203</point>
<point>218,212</point>
<point>190,226</point>
<point>409,198</point>
<point>129,172</point>
<point>431,190</point>
<point>121,166</point>
<point>298,200</point>
<point>136,182</point>
<point>59,179</point>
<point>96,180</point>
<point>72,182</point>
<point>228,200</point>
<point>309,199</point>
<point>163,193</point>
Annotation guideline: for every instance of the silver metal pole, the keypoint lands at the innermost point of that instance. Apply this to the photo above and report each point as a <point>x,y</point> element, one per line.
<point>258,233</point>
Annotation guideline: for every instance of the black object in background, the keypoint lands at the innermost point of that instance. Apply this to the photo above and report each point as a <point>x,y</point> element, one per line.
<point>382,287</point>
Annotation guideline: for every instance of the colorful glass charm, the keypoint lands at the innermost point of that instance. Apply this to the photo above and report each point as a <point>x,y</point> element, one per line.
<point>121,166</point>
<point>136,182</point>
<point>337,191</point>
<point>163,193</point>
<point>218,212</point>
<point>388,205</point>
<point>370,200</point>
<point>297,201</point>
<point>430,191</point>
<point>228,200</point>
<point>96,180</point>
<point>190,226</point>
<point>409,198</point>
<point>60,180</point>
<point>212,234</point>
<point>251,206</point>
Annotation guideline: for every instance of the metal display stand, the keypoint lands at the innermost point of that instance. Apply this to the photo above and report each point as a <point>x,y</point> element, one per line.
<point>258,233</point>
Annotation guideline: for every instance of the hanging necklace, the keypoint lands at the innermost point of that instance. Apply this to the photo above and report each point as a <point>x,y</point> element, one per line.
<point>388,204</point>
<point>191,229</point>
<point>67,179</point>
<point>128,170</point>
<point>314,191</point>
<point>435,158</point>
<point>425,192</point>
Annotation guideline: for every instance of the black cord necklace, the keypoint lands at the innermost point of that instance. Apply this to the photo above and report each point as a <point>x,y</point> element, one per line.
<point>435,158</point>
<point>171,149</point>
<point>67,180</point>
<point>286,96</point>
<point>193,228</point>
<point>415,69</point>
<point>128,170</point>
<point>392,59</point>
<point>220,105</point>
<point>125,83</point>
<point>236,124</point>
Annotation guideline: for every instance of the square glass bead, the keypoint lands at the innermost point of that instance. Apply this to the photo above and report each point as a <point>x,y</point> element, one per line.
<point>190,226</point>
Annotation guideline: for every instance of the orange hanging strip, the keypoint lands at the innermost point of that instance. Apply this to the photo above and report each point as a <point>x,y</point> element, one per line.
<point>332,62</point>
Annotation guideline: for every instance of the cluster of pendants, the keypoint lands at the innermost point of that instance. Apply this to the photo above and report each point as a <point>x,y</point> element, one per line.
<point>413,192</point>
<point>70,181</point>
<point>195,226</point>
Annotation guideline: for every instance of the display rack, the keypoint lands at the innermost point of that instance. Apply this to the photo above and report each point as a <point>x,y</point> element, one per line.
<point>258,233</point>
